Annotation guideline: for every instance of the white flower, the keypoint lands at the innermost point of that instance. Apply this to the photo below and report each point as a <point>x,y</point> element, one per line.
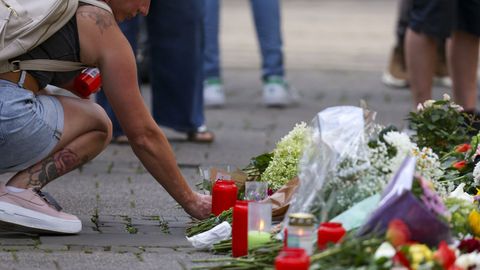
<point>476,174</point>
<point>460,194</point>
<point>385,250</point>
<point>457,107</point>
<point>446,97</point>
<point>466,261</point>
<point>419,107</point>
<point>428,103</point>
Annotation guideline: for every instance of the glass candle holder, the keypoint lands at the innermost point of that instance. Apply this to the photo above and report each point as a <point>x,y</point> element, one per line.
<point>212,173</point>
<point>301,231</point>
<point>256,191</point>
<point>240,229</point>
<point>224,196</point>
<point>292,258</point>
<point>329,232</point>
<point>259,223</point>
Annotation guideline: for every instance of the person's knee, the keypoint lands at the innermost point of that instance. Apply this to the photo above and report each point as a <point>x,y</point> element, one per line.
<point>103,122</point>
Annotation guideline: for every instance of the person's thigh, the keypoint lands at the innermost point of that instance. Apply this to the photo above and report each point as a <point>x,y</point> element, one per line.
<point>81,117</point>
<point>30,126</point>
<point>434,18</point>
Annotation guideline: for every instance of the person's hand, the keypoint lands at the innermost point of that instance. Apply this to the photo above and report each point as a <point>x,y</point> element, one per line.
<point>200,207</point>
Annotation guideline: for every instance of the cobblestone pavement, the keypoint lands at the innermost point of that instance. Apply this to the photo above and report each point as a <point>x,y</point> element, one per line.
<point>335,53</point>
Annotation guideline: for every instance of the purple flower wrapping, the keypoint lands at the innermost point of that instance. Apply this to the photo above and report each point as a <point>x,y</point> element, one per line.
<point>424,226</point>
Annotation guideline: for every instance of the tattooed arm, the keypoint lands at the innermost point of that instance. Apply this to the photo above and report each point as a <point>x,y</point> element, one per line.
<point>103,44</point>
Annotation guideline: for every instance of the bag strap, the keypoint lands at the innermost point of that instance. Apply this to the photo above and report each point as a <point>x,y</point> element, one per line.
<point>98,3</point>
<point>55,65</point>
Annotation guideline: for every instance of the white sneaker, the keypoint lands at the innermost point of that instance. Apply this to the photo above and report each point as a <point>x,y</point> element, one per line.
<point>277,93</point>
<point>213,93</point>
<point>444,81</point>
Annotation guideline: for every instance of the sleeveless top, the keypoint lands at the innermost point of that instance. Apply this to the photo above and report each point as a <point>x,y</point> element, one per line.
<point>63,45</point>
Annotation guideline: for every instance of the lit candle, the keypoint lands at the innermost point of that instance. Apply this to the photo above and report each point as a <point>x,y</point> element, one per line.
<point>301,231</point>
<point>329,232</point>
<point>259,222</point>
<point>258,238</point>
<point>292,259</point>
<point>240,229</point>
<point>224,196</point>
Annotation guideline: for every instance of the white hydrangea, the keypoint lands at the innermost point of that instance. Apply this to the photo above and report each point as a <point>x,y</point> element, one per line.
<point>446,97</point>
<point>284,165</point>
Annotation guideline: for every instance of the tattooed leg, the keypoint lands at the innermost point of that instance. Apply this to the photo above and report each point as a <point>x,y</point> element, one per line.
<point>52,167</point>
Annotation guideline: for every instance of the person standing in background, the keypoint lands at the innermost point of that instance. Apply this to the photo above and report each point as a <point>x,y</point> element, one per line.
<point>396,73</point>
<point>432,19</point>
<point>266,14</point>
<point>175,40</point>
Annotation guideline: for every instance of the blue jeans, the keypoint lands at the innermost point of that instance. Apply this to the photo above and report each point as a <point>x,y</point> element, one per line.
<point>130,30</point>
<point>266,15</point>
<point>175,37</point>
<point>175,30</point>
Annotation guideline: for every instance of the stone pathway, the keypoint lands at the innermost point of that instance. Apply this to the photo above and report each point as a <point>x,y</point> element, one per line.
<point>335,51</point>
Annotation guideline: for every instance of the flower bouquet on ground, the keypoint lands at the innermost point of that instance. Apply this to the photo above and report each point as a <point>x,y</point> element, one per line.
<point>277,169</point>
<point>413,200</point>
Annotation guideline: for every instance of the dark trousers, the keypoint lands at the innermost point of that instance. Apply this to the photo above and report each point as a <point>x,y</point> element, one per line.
<point>175,40</point>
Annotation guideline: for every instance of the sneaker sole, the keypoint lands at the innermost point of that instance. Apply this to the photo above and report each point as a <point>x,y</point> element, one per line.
<point>26,220</point>
<point>391,81</point>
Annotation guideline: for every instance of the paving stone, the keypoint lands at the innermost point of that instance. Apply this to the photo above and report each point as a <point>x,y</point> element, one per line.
<point>17,240</point>
<point>123,249</point>
<point>52,247</point>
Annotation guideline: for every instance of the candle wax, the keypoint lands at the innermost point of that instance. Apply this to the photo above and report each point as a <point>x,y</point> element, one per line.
<point>257,238</point>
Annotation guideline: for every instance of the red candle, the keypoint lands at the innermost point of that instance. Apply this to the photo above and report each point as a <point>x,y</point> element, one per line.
<point>224,196</point>
<point>329,232</point>
<point>240,229</point>
<point>292,259</point>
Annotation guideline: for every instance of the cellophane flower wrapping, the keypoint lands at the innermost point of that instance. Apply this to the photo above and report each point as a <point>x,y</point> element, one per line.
<point>423,216</point>
<point>334,158</point>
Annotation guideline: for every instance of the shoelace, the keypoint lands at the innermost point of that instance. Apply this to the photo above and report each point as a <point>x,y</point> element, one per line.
<point>49,199</point>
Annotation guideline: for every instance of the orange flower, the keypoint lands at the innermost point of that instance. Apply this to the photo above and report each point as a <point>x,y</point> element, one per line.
<point>462,148</point>
<point>398,233</point>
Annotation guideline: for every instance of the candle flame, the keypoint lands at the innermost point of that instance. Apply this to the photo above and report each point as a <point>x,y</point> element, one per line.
<point>261,225</point>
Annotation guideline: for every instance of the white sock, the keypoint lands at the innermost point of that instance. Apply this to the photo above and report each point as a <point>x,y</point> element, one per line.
<point>15,189</point>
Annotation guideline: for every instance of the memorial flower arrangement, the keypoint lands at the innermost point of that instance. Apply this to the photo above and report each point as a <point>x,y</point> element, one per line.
<point>350,159</point>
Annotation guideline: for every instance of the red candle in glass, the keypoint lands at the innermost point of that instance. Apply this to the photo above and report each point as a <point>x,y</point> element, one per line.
<point>329,232</point>
<point>240,229</point>
<point>224,196</point>
<point>292,259</point>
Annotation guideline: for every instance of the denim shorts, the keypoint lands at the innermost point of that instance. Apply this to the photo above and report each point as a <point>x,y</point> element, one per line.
<point>30,126</point>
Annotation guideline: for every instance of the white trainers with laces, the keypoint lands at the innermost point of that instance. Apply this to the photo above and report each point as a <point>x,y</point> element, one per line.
<point>213,93</point>
<point>277,93</point>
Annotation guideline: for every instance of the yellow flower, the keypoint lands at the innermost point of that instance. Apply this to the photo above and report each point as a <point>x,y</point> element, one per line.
<point>474,222</point>
<point>419,254</point>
